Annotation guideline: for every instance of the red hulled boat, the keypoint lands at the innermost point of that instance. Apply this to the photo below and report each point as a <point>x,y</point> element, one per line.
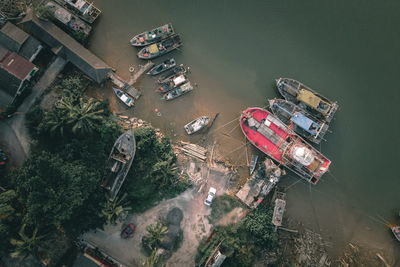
<point>280,143</point>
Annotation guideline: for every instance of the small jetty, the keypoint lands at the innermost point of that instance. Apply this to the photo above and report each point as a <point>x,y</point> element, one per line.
<point>279,209</point>
<point>194,151</point>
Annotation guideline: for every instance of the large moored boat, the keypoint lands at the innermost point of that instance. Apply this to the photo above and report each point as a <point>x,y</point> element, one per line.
<point>155,35</point>
<point>161,48</point>
<point>302,122</point>
<point>300,94</point>
<point>276,140</point>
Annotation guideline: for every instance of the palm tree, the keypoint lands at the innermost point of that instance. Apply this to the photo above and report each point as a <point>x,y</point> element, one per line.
<point>55,121</point>
<point>156,234</point>
<point>152,260</point>
<point>114,208</point>
<point>83,116</point>
<point>27,245</point>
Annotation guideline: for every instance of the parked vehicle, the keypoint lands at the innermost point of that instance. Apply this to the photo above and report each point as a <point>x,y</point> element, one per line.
<point>210,196</point>
<point>164,66</point>
<point>155,35</point>
<point>3,157</point>
<point>124,97</point>
<point>128,231</point>
<point>396,232</point>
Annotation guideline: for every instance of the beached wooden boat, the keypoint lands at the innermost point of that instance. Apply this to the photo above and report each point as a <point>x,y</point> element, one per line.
<point>119,162</point>
<point>300,94</point>
<point>253,163</point>
<point>124,97</point>
<point>161,48</point>
<point>396,232</point>
<point>172,83</point>
<point>299,119</point>
<point>197,124</point>
<point>164,66</point>
<point>276,140</point>
<point>155,35</point>
<point>168,74</point>
<point>178,91</point>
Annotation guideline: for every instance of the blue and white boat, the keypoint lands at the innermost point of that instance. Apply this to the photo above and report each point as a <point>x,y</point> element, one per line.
<point>301,121</point>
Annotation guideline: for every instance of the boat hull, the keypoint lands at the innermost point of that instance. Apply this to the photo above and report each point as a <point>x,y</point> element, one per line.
<point>124,97</point>
<point>274,139</point>
<point>302,122</point>
<point>166,31</point>
<point>396,232</point>
<point>119,162</point>
<point>196,125</point>
<point>163,47</point>
<point>290,89</point>
<point>160,68</point>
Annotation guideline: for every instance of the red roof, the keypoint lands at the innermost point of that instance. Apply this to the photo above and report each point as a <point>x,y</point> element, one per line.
<point>16,65</point>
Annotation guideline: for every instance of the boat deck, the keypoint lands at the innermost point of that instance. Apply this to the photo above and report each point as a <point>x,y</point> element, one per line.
<point>270,139</point>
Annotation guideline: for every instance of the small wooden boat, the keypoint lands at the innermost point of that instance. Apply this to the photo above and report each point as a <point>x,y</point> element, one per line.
<point>172,82</point>
<point>253,163</point>
<point>302,122</point>
<point>396,232</point>
<point>155,35</point>
<point>313,102</point>
<point>124,97</point>
<point>178,91</point>
<point>119,162</point>
<point>164,66</point>
<point>161,48</point>
<point>172,72</point>
<point>196,125</point>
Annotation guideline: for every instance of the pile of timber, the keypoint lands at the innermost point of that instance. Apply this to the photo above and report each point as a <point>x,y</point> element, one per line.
<point>194,151</point>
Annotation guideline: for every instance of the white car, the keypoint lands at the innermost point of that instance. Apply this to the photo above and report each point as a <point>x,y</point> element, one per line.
<point>211,194</point>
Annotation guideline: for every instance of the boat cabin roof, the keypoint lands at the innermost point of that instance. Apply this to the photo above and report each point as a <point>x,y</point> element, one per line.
<point>312,100</point>
<point>180,79</point>
<point>153,48</point>
<point>305,123</point>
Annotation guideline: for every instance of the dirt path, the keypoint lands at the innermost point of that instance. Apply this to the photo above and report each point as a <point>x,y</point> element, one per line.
<point>14,132</point>
<point>195,225</point>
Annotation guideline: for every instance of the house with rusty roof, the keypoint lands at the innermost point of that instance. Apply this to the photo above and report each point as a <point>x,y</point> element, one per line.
<point>63,45</point>
<point>18,41</point>
<point>15,74</point>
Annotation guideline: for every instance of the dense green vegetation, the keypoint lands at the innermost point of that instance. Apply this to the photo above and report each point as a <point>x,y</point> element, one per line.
<point>221,205</point>
<point>56,195</point>
<point>241,242</point>
<point>155,162</point>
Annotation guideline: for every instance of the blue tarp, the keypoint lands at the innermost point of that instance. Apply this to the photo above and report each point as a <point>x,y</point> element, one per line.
<point>305,123</point>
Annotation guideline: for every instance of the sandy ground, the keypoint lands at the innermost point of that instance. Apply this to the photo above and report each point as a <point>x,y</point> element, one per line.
<point>195,223</point>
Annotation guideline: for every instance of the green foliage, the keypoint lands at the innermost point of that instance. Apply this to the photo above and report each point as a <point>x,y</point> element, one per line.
<point>54,191</point>
<point>27,244</point>
<point>152,261</point>
<point>152,176</point>
<point>241,242</point>
<point>155,236</point>
<point>258,224</point>
<point>114,208</point>
<point>8,215</point>
<point>43,12</point>
<point>221,205</point>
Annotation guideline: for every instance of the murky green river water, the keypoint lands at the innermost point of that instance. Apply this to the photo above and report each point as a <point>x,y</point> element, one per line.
<point>346,50</point>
